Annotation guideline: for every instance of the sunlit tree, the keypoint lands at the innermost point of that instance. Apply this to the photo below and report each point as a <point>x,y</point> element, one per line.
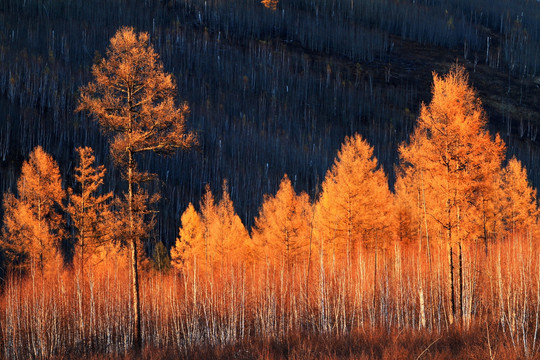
<point>133,99</point>
<point>189,249</point>
<point>518,203</point>
<point>33,221</point>
<point>355,202</point>
<point>229,243</point>
<point>283,227</point>
<point>89,210</point>
<point>456,162</point>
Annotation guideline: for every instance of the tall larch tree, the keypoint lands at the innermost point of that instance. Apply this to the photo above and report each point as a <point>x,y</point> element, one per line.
<point>189,250</point>
<point>355,202</point>
<point>518,199</point>
<point>283,227</point>
<point>89,211</point>
<point>133,99</point>
<point>457,162</point>
<point>33,223</point>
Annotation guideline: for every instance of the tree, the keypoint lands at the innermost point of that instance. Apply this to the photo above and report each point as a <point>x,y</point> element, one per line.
<point>213,239</point>
<point>89,211</point>
<point>33,222</point>
<point>456,162</point>
<point>132,98</point>
<point>518,199</point>
<point>229,239</point>
<point>283,227</point>
<point>355,201</point>
<point>189,248</point>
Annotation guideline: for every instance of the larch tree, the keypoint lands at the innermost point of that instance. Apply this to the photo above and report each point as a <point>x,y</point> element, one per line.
<point>189,250</point>
<point>283,227</point>
<point>518,199</point>
<point>33,221</point>
<point>90,211</point>
<point>355,202</point>
<point>133,99</point>
<point>229,240</point>
<point>456,161</point>
<point>208,214</point>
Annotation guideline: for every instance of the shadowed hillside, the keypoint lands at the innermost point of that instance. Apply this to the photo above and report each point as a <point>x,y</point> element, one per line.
<point>270,92</point>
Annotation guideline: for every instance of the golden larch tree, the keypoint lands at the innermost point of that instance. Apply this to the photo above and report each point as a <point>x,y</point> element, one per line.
<point>355,202</point>
<point>189,250</point>
<point>133,99</point>
<point>208,217</point>
<point>518,199</point>
<point>455,162</point>
<point>89,211</point>
<point>283,228</point>
<point>229,243</point>
<point>33,221</point>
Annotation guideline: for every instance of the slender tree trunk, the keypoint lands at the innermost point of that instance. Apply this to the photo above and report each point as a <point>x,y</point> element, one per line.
<point>375,281</point>
<point>460,281</point>
<point>452,309</point>
<point>425,222</point>
<point>422,304</point>
<point>309,260</point>
<point>137,338</point>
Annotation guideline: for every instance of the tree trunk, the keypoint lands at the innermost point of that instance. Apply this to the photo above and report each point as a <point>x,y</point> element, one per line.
<point>460,281</point>
<point>137,339</point>
<point>452,309</point>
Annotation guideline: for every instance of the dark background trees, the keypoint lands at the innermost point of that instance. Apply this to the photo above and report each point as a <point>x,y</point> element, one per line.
<point>270,92</point>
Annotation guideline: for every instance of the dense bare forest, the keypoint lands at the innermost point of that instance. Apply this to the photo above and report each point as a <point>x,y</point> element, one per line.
<point>375,162</point>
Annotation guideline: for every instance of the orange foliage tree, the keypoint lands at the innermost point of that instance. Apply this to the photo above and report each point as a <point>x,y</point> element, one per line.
<point>212,240</point>
<point>453,157</point>
<point>455,162</point>
<point>355,202</point>
<point>189,249</point>
<point>90,212</point>
<point>518,199</point>
<point>132,98</point>
<point>33,222</point>
<point>283,227</point>
<point>229,241</point>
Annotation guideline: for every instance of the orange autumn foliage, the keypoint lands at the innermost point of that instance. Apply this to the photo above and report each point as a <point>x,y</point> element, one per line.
<point>90,213</point>
<point>518,199</point>
<point>33,222</point>
<point>229,241</point>
<point>355,202</point>
<point>270,4</point>
<point>213,240</point>
<point>283,228</point>
<point>454,160</point>
<point>189,249</point>
<point>133,99</point>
